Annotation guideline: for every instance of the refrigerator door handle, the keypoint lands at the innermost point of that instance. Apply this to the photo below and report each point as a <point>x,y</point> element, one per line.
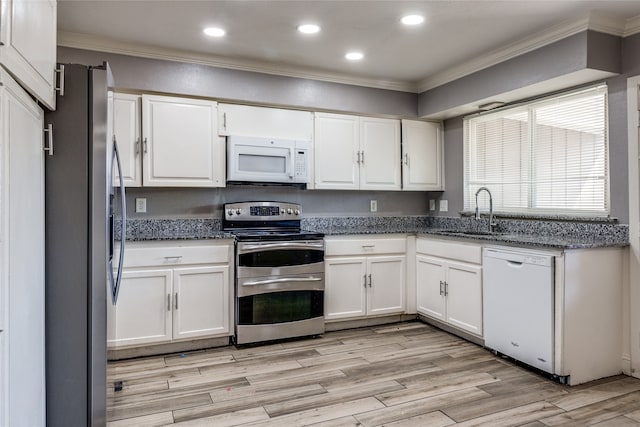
<point>117,280</point>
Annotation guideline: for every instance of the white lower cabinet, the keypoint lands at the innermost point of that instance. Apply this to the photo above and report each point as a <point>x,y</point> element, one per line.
<point>449,283</point>
<point>364,276</point>
<point>172,292</point>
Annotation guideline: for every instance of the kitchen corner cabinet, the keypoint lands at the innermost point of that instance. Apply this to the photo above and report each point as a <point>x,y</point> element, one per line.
<point>28,45</point>
<point>356,153</point>
<point>172,292</point>
<point>449,283</point>
<point>278,123</point>
<point>168,141</point>
<point>422,156</point>
<point>364,276</point>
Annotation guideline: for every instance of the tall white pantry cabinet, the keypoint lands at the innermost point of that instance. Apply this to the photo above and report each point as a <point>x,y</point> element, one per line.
<point>27,64</point>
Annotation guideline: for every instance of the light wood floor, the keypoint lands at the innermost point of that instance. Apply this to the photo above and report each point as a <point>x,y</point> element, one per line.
<point>407,374</point>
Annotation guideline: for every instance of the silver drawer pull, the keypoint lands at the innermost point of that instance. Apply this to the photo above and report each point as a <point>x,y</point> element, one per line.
<point>368,246</point>
<point>175,257</point>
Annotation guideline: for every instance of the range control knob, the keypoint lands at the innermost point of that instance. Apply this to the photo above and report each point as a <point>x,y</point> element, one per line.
<point>290,211</point>
<point>230,212</point>
<point>297,212</point>
<point>238,211</point>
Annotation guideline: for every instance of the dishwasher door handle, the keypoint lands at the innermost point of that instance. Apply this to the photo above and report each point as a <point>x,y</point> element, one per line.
<point>515,264</point>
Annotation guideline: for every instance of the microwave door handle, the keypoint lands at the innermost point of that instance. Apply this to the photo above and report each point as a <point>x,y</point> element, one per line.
<point>292,162</point>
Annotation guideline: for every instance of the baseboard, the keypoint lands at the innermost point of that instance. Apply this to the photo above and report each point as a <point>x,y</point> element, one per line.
<point>452,330</point>
<point>339,325</point>
<point>163,349</point>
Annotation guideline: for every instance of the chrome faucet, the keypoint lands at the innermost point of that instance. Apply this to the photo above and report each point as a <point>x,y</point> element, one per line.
<point>491,223</point>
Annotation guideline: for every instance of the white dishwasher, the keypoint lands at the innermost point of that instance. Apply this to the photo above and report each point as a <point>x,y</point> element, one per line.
<point>518,301</point>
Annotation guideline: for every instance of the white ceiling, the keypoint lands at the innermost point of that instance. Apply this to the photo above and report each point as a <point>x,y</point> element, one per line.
<point>457,37</point>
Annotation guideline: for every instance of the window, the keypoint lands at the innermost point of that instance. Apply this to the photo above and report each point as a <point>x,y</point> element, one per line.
<point>546,157</point>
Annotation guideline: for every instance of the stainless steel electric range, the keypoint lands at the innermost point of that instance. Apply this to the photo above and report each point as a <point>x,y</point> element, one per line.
<point>279,272</point>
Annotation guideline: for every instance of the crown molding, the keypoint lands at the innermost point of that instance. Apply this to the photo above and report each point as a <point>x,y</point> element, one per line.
<point>632,26</point>
<point>103,44</point>
<point>592,21</point>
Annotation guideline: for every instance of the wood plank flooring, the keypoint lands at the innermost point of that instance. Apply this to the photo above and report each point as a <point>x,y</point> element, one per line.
<point>406,374</point>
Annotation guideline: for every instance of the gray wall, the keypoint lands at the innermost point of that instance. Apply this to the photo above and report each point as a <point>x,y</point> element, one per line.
<point>207,203</point>
<point>617,87</point>
<point>153,75</point>
<point>587,49</point>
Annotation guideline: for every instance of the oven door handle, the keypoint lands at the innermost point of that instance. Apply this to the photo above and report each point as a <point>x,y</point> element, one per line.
<point>282,280</point>
<point>285,245</point>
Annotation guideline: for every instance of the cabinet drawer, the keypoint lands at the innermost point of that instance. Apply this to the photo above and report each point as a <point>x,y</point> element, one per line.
<point>365,246</point>
<point>154,255</point>
<point>465,252</point>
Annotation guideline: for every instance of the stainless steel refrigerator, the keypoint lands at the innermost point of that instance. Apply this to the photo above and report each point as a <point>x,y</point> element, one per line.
<point>78,247</point>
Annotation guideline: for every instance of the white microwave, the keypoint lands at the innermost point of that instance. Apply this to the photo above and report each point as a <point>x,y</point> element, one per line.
<point>264,160</point>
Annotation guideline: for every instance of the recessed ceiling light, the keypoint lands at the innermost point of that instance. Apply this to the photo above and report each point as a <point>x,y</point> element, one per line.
<point>308,28</point>
<point>354,56</point>
<point>214,32</point>
<point>412,19</point>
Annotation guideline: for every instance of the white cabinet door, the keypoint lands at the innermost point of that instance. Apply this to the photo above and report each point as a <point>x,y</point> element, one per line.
<point>464,296</point>
<point>181,143</point>
<point>337,139</point>
<point>201,302</point>
<point>143,311</point>
<point>264,122</point>
<point>345,292</point>
<point>380,154</point>
<point>126,129</point>
<point>22,283</point>
<point>430,279</point>
<point>28,45</point>
<point>422,156</point>
<point>386,280</point>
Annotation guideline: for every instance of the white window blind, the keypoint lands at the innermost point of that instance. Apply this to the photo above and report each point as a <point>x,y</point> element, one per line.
<point>546,157</point>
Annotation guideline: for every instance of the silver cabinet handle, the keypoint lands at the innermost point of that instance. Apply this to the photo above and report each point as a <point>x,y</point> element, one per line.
<point>446,289</point>
<point>60,73</point>
<point>368,246</point>
<point>363,157</point>
<point>137,146</point>
<point>358,154</point>
<point>364,280</point>
<point>175,257</point>
<point>49,132</point>
<point>441,286</point>
<point>168,302</point>
<point>406,159</point>
<point>224,121</point>
<point>176,301</point>
<point>369,280</point>
<point>145,145</point>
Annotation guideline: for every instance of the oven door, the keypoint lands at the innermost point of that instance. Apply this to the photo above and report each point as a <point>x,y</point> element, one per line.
<point>273,259</point>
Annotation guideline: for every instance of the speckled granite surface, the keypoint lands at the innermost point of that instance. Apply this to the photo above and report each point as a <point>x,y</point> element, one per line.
<point>173,229</point>
<point>551,234</point>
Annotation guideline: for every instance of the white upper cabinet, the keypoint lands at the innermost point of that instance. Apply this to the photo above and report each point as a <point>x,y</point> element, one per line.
<point>277,123</point>
<point>181,145</point>
<point>379,154</point>
<point>126,128</point>
<point>354,152</point>
<point>422,156</point>
<point>337,144</point>
<point>28,45</point>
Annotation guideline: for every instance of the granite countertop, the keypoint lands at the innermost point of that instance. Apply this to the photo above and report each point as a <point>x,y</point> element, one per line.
<point>541,234</point>
<point>532,240</point>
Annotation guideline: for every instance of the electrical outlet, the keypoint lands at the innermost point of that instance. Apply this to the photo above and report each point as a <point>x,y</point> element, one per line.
<point>374,206</point>
<point>444,205</point>
<point>432,205</point>
<point>141,205</point>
